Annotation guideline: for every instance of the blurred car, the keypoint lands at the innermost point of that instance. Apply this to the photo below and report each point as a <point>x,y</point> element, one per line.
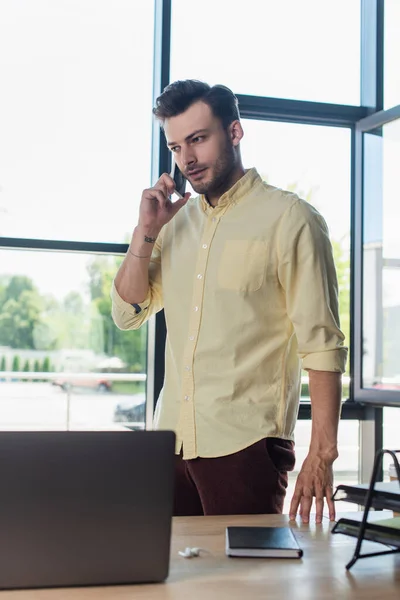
<point>132,410</point>
<point>99,384</point>
<point>392,385</point>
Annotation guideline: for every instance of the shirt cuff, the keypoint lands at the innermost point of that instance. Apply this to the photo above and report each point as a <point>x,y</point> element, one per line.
<point>133,309</point>
<point>328,360</point>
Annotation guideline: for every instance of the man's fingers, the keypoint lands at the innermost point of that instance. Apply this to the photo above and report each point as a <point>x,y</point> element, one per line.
<point>294,505</point>
<point>330,503</point>
<point>166,183</point>
<point>319,507</point>
<point>158,194</point>
<point>306,503</point>
<point>185,198</point>
<point>160,185</point>
<point>154,194</point>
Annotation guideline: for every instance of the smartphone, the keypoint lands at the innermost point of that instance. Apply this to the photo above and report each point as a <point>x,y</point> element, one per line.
<point>179,179</point>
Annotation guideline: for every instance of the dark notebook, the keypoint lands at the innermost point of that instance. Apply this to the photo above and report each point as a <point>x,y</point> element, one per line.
<point>273,542</point>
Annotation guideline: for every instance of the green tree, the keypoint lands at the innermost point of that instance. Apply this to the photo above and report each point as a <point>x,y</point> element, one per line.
<point>3,285</point>
<point>17,285</point>
<point>20,313</point>
<point>73,304</point>
<point>66,325</point>
<point>36,366</point>
<point>3,363</point>
<point>15,363</point>
<point>46,364</point>
<point>130,346</point>
<point>74,322</point>
<point>45,332</point>
<point>25,368</point>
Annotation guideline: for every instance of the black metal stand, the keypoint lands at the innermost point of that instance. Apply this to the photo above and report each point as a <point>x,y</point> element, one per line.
<point>368,503</point>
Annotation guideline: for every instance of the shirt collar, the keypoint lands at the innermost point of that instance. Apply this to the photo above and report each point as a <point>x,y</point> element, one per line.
<point>237,192</point>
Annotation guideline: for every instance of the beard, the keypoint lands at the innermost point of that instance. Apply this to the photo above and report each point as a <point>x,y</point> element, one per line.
<point>221,173</point>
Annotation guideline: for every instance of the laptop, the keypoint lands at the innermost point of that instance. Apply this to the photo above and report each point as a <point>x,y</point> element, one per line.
<point>84,508</point>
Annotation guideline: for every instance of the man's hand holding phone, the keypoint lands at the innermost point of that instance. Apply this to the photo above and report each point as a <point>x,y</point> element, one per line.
<point>157,208</point>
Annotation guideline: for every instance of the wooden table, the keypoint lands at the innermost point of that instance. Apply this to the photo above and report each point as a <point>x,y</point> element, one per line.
<point>319,575</point>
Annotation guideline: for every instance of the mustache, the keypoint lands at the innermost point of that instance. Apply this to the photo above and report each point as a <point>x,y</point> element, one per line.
<point>189,172</point>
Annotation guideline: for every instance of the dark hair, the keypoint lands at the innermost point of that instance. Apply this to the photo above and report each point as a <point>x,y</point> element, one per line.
<point>179,95</point>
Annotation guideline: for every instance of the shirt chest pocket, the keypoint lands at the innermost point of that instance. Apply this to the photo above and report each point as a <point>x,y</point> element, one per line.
<point>242,265</point>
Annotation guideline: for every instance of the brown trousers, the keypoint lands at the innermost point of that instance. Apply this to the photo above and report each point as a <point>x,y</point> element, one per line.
<point>251,481</point>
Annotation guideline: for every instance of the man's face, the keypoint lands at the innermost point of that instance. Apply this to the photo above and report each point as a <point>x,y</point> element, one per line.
<point>203,150</point>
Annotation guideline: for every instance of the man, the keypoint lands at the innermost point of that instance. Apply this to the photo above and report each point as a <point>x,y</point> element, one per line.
<point>246,276</point>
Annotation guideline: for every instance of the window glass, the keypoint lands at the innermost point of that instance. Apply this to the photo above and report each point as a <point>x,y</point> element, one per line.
<point>285,49</point>
<point>75,117</point>
<point>63,362</point>
<point>381,259</point>
<point>391,420</point>
<point>392,53</point>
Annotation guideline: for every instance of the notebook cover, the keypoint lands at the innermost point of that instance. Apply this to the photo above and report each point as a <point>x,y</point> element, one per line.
<point>262,541</point>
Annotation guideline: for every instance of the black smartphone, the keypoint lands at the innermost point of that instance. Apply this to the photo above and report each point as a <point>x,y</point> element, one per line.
<point>179,179</point>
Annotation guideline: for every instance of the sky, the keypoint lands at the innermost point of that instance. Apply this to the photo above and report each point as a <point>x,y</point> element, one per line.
<point>75,110</point>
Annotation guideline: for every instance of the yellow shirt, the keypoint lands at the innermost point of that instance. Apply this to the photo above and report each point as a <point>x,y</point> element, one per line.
<point>249,290</point>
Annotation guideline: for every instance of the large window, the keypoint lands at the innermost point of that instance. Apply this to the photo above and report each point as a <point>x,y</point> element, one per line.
<point>308,50</point>
<point>75,155</point>
<point>63,362</point>
<point>381,259</point>
<point>75,117</point>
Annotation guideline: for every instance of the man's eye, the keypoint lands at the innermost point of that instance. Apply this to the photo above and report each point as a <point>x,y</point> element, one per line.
<point>198,138</point>
<point>174,149</point>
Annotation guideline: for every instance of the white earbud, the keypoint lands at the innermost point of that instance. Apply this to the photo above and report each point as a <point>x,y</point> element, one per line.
<point>190,552</point>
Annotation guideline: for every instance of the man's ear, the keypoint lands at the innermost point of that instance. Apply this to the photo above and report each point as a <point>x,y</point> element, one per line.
<point>235,132</point>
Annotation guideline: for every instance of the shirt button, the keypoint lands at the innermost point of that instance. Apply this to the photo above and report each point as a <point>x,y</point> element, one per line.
<point>191,338</point>
<point>196,308</point>
<point>199,276</point>
<point>204,246</point>
<point>187,368</point>
<point>186,397</point>
<point>213,219</point>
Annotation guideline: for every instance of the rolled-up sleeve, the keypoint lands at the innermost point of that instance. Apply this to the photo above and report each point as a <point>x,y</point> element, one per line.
<point>129,316</point>
<point>308,276</point>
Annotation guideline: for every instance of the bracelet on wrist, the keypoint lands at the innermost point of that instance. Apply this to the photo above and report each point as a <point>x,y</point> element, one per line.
<point>138,255</point>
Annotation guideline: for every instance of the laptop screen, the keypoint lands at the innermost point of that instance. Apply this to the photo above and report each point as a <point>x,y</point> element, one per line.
<point>85,508</point>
